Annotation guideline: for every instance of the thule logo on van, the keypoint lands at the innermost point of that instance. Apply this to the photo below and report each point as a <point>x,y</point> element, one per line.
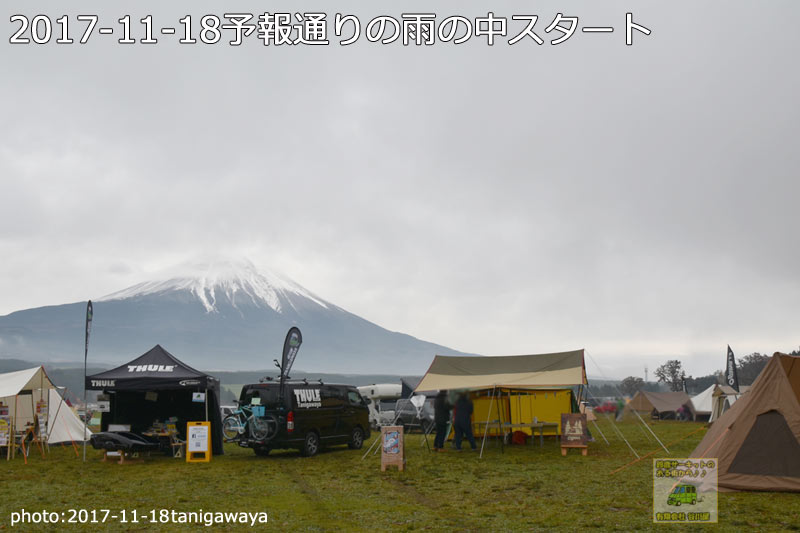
<point>308,398</point>
<point>103,382</point>
<point>151,368</point>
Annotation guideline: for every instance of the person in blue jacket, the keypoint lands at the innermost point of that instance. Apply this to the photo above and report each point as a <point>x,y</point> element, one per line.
<point>462,421</point>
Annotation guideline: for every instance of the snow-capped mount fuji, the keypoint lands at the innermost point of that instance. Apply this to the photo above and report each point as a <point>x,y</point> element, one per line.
<point>227,282</point>
<point>218,315</point>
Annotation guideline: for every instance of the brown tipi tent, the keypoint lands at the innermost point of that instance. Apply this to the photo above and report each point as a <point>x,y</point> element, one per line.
<point>757,440</point>
<point>659,404</point>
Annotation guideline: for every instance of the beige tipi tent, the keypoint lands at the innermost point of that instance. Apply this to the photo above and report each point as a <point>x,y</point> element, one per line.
<point>659,404</point>
<point>757,440</point>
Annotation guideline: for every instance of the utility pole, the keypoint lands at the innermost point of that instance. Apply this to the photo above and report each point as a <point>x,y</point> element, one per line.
<point>645,374</point>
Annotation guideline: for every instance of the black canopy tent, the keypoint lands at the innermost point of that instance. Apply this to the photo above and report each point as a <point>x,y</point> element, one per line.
<point>156,386</point>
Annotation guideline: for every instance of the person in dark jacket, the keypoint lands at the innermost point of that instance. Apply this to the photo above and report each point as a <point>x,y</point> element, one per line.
<point>441,416</point>
<point>462,422</point>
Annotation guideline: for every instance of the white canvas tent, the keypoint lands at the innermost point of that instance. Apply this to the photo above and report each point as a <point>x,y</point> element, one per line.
<point>21,391</point>
<point>703,403</point>
<point>63,425</point>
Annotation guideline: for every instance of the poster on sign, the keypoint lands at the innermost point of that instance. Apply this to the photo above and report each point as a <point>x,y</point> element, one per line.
<point>574,433</point>
<point>198,442</point>
<point>392,451</point>
<point>5,432</point>
<point>198,439</point>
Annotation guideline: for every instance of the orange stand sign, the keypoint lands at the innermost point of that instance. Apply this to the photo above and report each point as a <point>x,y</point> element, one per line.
<point>198,442</point>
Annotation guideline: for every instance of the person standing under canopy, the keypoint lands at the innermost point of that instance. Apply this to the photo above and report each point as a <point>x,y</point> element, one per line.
<point>462,422</point>
<point>441,417</point>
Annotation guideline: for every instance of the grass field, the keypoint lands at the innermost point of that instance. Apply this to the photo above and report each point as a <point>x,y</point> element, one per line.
<point>519,489</point>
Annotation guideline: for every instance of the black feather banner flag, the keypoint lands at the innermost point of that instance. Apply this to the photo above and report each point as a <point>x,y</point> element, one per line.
<point>290,348</point>
<point>89,315</point>
<point>731,378</point>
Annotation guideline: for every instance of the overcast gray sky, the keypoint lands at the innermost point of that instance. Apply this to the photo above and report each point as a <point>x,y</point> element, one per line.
<point>641,202</point>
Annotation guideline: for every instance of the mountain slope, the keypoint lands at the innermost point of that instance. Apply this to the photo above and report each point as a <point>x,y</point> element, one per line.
<point>224,315</point>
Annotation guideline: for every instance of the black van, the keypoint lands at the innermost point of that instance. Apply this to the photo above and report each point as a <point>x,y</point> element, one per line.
<point>312,415</point>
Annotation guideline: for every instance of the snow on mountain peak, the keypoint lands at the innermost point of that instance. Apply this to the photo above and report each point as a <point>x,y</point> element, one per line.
<point>234,280</point>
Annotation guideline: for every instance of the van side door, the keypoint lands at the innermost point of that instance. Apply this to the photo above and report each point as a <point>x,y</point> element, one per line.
<point>333,404</point>
<point>356,413</point>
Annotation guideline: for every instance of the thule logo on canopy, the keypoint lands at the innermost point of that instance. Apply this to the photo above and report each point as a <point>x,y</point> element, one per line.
<point>189,382</point>
<point>151,368</point>
<point>103,382</point>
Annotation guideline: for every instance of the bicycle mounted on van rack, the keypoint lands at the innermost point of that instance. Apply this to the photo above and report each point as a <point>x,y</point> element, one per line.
<point>307,416</point>
<point>251,419</point>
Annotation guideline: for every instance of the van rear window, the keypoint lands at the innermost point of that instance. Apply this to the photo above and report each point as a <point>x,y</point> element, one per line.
<point>268,396</point>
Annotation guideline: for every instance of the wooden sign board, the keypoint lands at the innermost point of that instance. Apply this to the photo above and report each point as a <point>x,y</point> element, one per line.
<point>198,442</point>
<point>392,450</point>
<point>574,433</point>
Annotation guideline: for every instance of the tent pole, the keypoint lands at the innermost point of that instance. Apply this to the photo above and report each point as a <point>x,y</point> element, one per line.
<point>36,437</point>
<point>486,428</point>
<point>85,405</point>
<point>14,428</point>
<point>500,423</point>
<point>600,431</point>
<point>650,430</point>
<point>613,425</point>
<point>206,402</point>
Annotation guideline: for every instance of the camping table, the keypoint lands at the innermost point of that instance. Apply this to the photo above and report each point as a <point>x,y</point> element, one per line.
<point>533,427</point>
<point>490,423</point>
<point>166,442</point>
<point>540,426</point>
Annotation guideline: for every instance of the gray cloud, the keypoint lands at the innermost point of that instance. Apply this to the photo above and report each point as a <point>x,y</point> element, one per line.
<point>637,201</point>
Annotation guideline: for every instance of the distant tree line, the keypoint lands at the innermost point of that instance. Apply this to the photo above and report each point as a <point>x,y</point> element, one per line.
<point>747,369</point>
<point>672,376</point>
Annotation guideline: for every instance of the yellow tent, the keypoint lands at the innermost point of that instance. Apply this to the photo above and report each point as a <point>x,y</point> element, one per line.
<point>514,389</point>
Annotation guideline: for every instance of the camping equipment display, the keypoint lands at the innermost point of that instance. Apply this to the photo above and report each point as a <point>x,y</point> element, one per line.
<point>157,386</point>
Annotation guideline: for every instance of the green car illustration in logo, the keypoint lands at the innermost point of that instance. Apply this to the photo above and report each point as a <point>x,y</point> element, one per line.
<point>683,493</point>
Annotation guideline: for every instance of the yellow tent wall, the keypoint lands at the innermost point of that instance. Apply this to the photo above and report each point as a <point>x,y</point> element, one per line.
<point>520,407</point>
<point>480,413</point>
<point>546,406</point>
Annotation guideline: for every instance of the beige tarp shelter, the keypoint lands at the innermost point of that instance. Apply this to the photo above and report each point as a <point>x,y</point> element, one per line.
<point>512,390</point>
<point>563,369</point>
<point>22,391</point>
<point>662,405</point>
<point>723,397</point>
<point>757,441</point>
